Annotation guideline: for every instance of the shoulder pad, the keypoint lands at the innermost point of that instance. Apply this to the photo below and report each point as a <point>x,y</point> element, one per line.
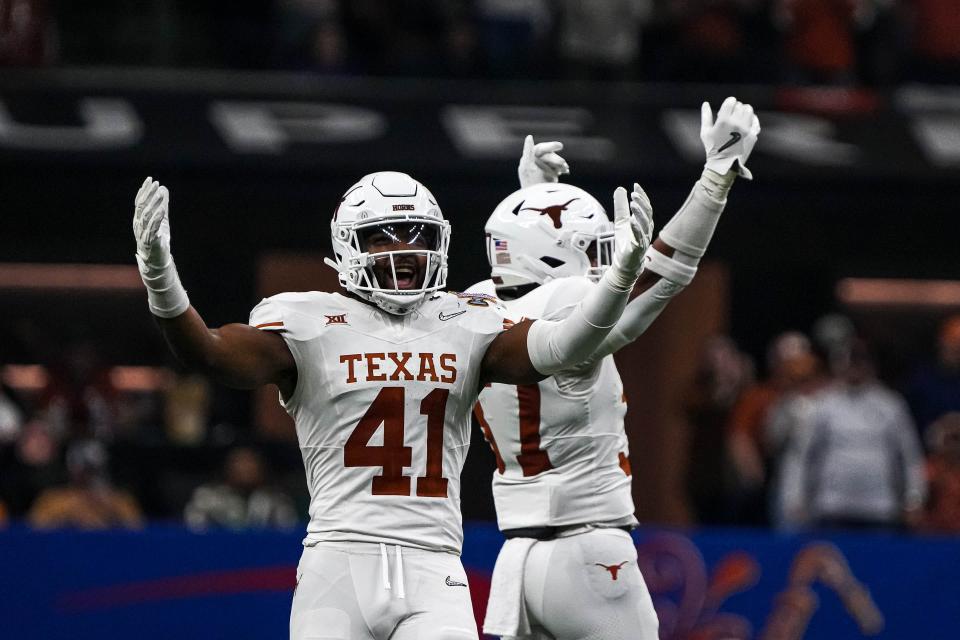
<point>299,316</point>
<point>485,287</point>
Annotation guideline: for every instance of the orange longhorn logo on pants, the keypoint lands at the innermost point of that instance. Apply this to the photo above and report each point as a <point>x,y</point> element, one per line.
<point>614,569</point>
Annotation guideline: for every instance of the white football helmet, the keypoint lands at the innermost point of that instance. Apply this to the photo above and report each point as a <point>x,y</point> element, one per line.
<point>394,205</point>
<point>546,231</point>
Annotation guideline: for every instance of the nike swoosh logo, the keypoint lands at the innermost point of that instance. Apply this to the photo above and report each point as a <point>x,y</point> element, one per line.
<point>444,318</point>
<point>450,582</point>
<point>734,139</point>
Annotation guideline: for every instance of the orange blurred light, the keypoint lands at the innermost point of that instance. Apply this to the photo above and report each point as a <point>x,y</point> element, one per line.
<point>110,277</point>
<point>898,292</point>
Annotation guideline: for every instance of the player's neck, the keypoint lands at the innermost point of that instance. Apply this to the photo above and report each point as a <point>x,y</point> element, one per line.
<point>369,303</point>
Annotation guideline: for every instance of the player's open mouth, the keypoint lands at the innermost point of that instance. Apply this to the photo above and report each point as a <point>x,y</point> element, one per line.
<point>406,277</point>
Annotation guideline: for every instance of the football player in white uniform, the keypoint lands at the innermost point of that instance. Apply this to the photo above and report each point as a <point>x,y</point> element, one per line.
<point>380,381</point>
<point>568,570</point>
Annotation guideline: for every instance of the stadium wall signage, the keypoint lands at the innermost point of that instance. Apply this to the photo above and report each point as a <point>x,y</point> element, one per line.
<point>290,122</point>
<point>166,582</point>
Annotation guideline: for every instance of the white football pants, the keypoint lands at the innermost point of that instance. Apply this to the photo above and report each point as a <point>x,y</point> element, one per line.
<point>588,587</point>
<point>369,591</point>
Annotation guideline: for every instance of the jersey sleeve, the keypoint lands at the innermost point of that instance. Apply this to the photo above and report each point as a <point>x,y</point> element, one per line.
<point>288,314</point>
<point>267,316</point>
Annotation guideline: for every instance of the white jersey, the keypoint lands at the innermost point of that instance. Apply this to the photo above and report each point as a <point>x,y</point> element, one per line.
<point>562,453</point>
<point>382,409</point>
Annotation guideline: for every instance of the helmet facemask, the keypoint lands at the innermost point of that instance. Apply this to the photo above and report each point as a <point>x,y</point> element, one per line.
<point>397,280</point>
<point>599,253</point>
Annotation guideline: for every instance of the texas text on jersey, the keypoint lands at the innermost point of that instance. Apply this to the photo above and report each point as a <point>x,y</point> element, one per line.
<point>383,461</point>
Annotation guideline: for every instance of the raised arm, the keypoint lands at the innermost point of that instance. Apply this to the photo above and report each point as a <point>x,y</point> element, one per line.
<point>531,351</point>
<point>236,354</point>
<point>671,263</point>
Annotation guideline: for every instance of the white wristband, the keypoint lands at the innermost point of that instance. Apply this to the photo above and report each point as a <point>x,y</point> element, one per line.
<point>619,279</point>
<point>165,294</point>
<point>692,227</point>
<point>670,268</point>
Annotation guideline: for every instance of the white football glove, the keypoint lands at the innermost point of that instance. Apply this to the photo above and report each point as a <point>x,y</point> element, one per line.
<point>632,234</point>
<point>151,229</point>
<point>642,212</point>
<point>540,163</point>
<point>151,223</point>
<point>729,140</point>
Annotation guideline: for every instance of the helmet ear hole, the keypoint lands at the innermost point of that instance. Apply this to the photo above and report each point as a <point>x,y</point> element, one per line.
<point>553,262</point>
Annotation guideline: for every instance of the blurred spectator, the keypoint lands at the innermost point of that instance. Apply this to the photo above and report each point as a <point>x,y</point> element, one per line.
<point>723,374</point>
<point>243,499</point>
<point>711,40</point>
<point>942,512</point>
<point>27,34</point>
<point>834,336</point>
<point>11,415</point>
<point>879,43</point>
<point>312,36</point>
<point>79,400</point>
<point>858,461</point>
<point>462,55</point>
<point>187,410</point>
<point>3,514</point>
<point>820,38</point>
<point>404,38</point>
<point>791,364</point>
<point>934,389</point>
<point>600,39</point>
<point>32,466</point>
<point>785,428</point>
<point>935,46</point>
<point>89,501</point>
<point>513,34</point>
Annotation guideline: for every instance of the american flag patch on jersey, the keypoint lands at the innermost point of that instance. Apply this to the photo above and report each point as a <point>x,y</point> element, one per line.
<point>499,245</point>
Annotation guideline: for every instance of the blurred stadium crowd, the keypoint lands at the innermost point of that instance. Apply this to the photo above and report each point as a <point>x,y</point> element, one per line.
<point>817,441</point>
<point>82,447</point>
<point>835,42</point>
